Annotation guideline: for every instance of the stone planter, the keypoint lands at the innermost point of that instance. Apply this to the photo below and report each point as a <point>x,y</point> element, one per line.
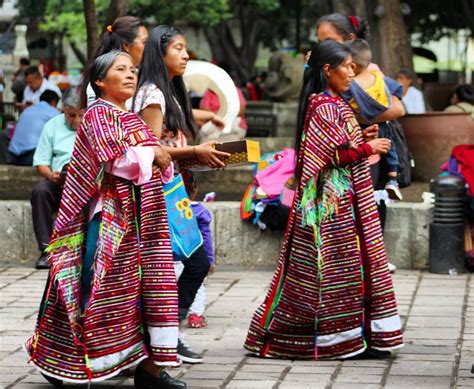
<point>431,137</point>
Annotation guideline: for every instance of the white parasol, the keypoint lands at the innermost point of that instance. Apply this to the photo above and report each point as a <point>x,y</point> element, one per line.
<point>199,77</point>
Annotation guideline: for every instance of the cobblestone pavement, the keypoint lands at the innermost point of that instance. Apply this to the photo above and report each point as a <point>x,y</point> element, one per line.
<point>437,312</point>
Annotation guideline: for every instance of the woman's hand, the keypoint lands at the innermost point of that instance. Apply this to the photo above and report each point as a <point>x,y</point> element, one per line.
<point>208,155</point>
<point>162,158</point>
<point>370,132</point>
<point>380,145</point>
<point>218,122</point>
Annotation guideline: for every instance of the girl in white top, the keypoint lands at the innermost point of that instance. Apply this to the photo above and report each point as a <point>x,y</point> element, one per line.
<point>163,102</point>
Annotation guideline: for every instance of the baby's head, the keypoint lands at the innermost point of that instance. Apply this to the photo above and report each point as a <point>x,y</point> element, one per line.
<point>361,54</point>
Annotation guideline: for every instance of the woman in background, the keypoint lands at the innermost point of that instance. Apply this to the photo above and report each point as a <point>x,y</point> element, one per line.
<point>462,100</point>
<point>128,34</point>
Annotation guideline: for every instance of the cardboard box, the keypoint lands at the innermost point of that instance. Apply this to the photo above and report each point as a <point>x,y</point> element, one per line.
<point>242,152</point>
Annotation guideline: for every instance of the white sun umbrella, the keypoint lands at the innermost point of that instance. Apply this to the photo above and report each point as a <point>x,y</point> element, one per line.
<point>199,77</point>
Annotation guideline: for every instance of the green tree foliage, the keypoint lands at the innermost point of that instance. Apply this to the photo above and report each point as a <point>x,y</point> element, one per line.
<point>253,18</point>
<point>67,17</point>
<point>434,19</point>
<point>199,12</point>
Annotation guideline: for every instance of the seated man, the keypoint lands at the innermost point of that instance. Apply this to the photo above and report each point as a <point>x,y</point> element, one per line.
<point>36,84</point>
<point>51,158</point>
<point>28,129</point>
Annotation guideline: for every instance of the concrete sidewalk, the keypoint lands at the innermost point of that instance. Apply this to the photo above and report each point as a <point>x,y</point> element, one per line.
<point>437,312</point>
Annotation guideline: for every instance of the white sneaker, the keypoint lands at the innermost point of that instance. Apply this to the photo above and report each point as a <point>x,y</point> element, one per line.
<point>393,190</point>
<point>391,267</point>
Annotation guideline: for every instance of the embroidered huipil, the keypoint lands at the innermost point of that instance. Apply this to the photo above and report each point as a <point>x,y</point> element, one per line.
<point>133,288</point>
<point>332,294</point>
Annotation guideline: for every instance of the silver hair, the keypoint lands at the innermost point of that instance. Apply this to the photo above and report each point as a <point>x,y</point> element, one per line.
<point>71,98</point>
<point>101,66</point>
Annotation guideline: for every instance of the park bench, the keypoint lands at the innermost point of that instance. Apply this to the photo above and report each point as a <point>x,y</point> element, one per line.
<point>261,124</point>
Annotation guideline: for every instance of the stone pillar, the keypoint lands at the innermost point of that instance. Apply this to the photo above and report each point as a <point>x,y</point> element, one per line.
<point>21,49</point>
<point>287,113</point>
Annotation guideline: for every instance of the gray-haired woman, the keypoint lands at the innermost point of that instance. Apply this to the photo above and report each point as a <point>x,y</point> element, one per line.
<point>111,301</point>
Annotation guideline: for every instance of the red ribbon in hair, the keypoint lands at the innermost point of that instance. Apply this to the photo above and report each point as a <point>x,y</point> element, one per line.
<point>354,22</point>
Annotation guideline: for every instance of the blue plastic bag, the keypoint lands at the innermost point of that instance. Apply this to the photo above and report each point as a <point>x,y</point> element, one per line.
<point>184,230</point>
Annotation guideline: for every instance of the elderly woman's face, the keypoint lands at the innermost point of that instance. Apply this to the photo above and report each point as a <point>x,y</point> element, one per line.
<point>121,79</point>
<point>340,78</point>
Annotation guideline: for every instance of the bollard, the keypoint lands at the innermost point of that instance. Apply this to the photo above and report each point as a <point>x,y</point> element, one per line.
<point>446,248</point>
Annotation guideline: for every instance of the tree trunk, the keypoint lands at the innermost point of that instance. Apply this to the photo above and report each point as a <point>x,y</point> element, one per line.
<point>224,48</point>
<point>325,7</point>
<point>468,10</point>
<point>345,7</point>
<point>77,52</point>
<point>374,36</point>
<point>61,58</point>
<point>395,48</point>
<point>92,26</point>
<point>117,9</point>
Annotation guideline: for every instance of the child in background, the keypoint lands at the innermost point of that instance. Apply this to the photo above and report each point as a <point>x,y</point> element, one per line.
<point>196,317</point>
<point>413,99</point>
<point>370,95</point>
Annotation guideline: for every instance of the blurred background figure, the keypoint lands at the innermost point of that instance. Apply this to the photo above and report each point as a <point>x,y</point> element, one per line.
<point>413,99</point>
<point>18,79</point>
<point>36,84</point>
<point>28,129</point>
<point>51,158</point>
<point>462,100</point>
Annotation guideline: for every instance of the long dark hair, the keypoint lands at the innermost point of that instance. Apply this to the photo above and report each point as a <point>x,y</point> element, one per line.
<point>154,71</point>
<point>328,52</point>
<point>123,30</point>
<point>346,25</point>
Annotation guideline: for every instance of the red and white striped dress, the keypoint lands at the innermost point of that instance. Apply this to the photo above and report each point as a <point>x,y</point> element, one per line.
<point>132,309</point>
<point>332,294</point>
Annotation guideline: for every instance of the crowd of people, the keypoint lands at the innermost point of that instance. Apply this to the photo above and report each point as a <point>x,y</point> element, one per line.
<point>119,287</point>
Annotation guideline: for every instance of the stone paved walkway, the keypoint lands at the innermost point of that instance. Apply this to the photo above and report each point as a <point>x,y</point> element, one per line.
<point>437,312</point>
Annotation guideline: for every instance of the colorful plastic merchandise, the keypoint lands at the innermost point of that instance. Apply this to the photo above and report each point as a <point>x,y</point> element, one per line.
<point>254,196</point>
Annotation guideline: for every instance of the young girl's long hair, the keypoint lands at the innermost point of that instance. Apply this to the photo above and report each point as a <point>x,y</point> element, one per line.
<point>328,52</point>
<point>153,70</point>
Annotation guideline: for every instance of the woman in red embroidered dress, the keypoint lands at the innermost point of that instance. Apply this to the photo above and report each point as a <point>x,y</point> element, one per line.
<point>332,294</point>
<point>111,300</point>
